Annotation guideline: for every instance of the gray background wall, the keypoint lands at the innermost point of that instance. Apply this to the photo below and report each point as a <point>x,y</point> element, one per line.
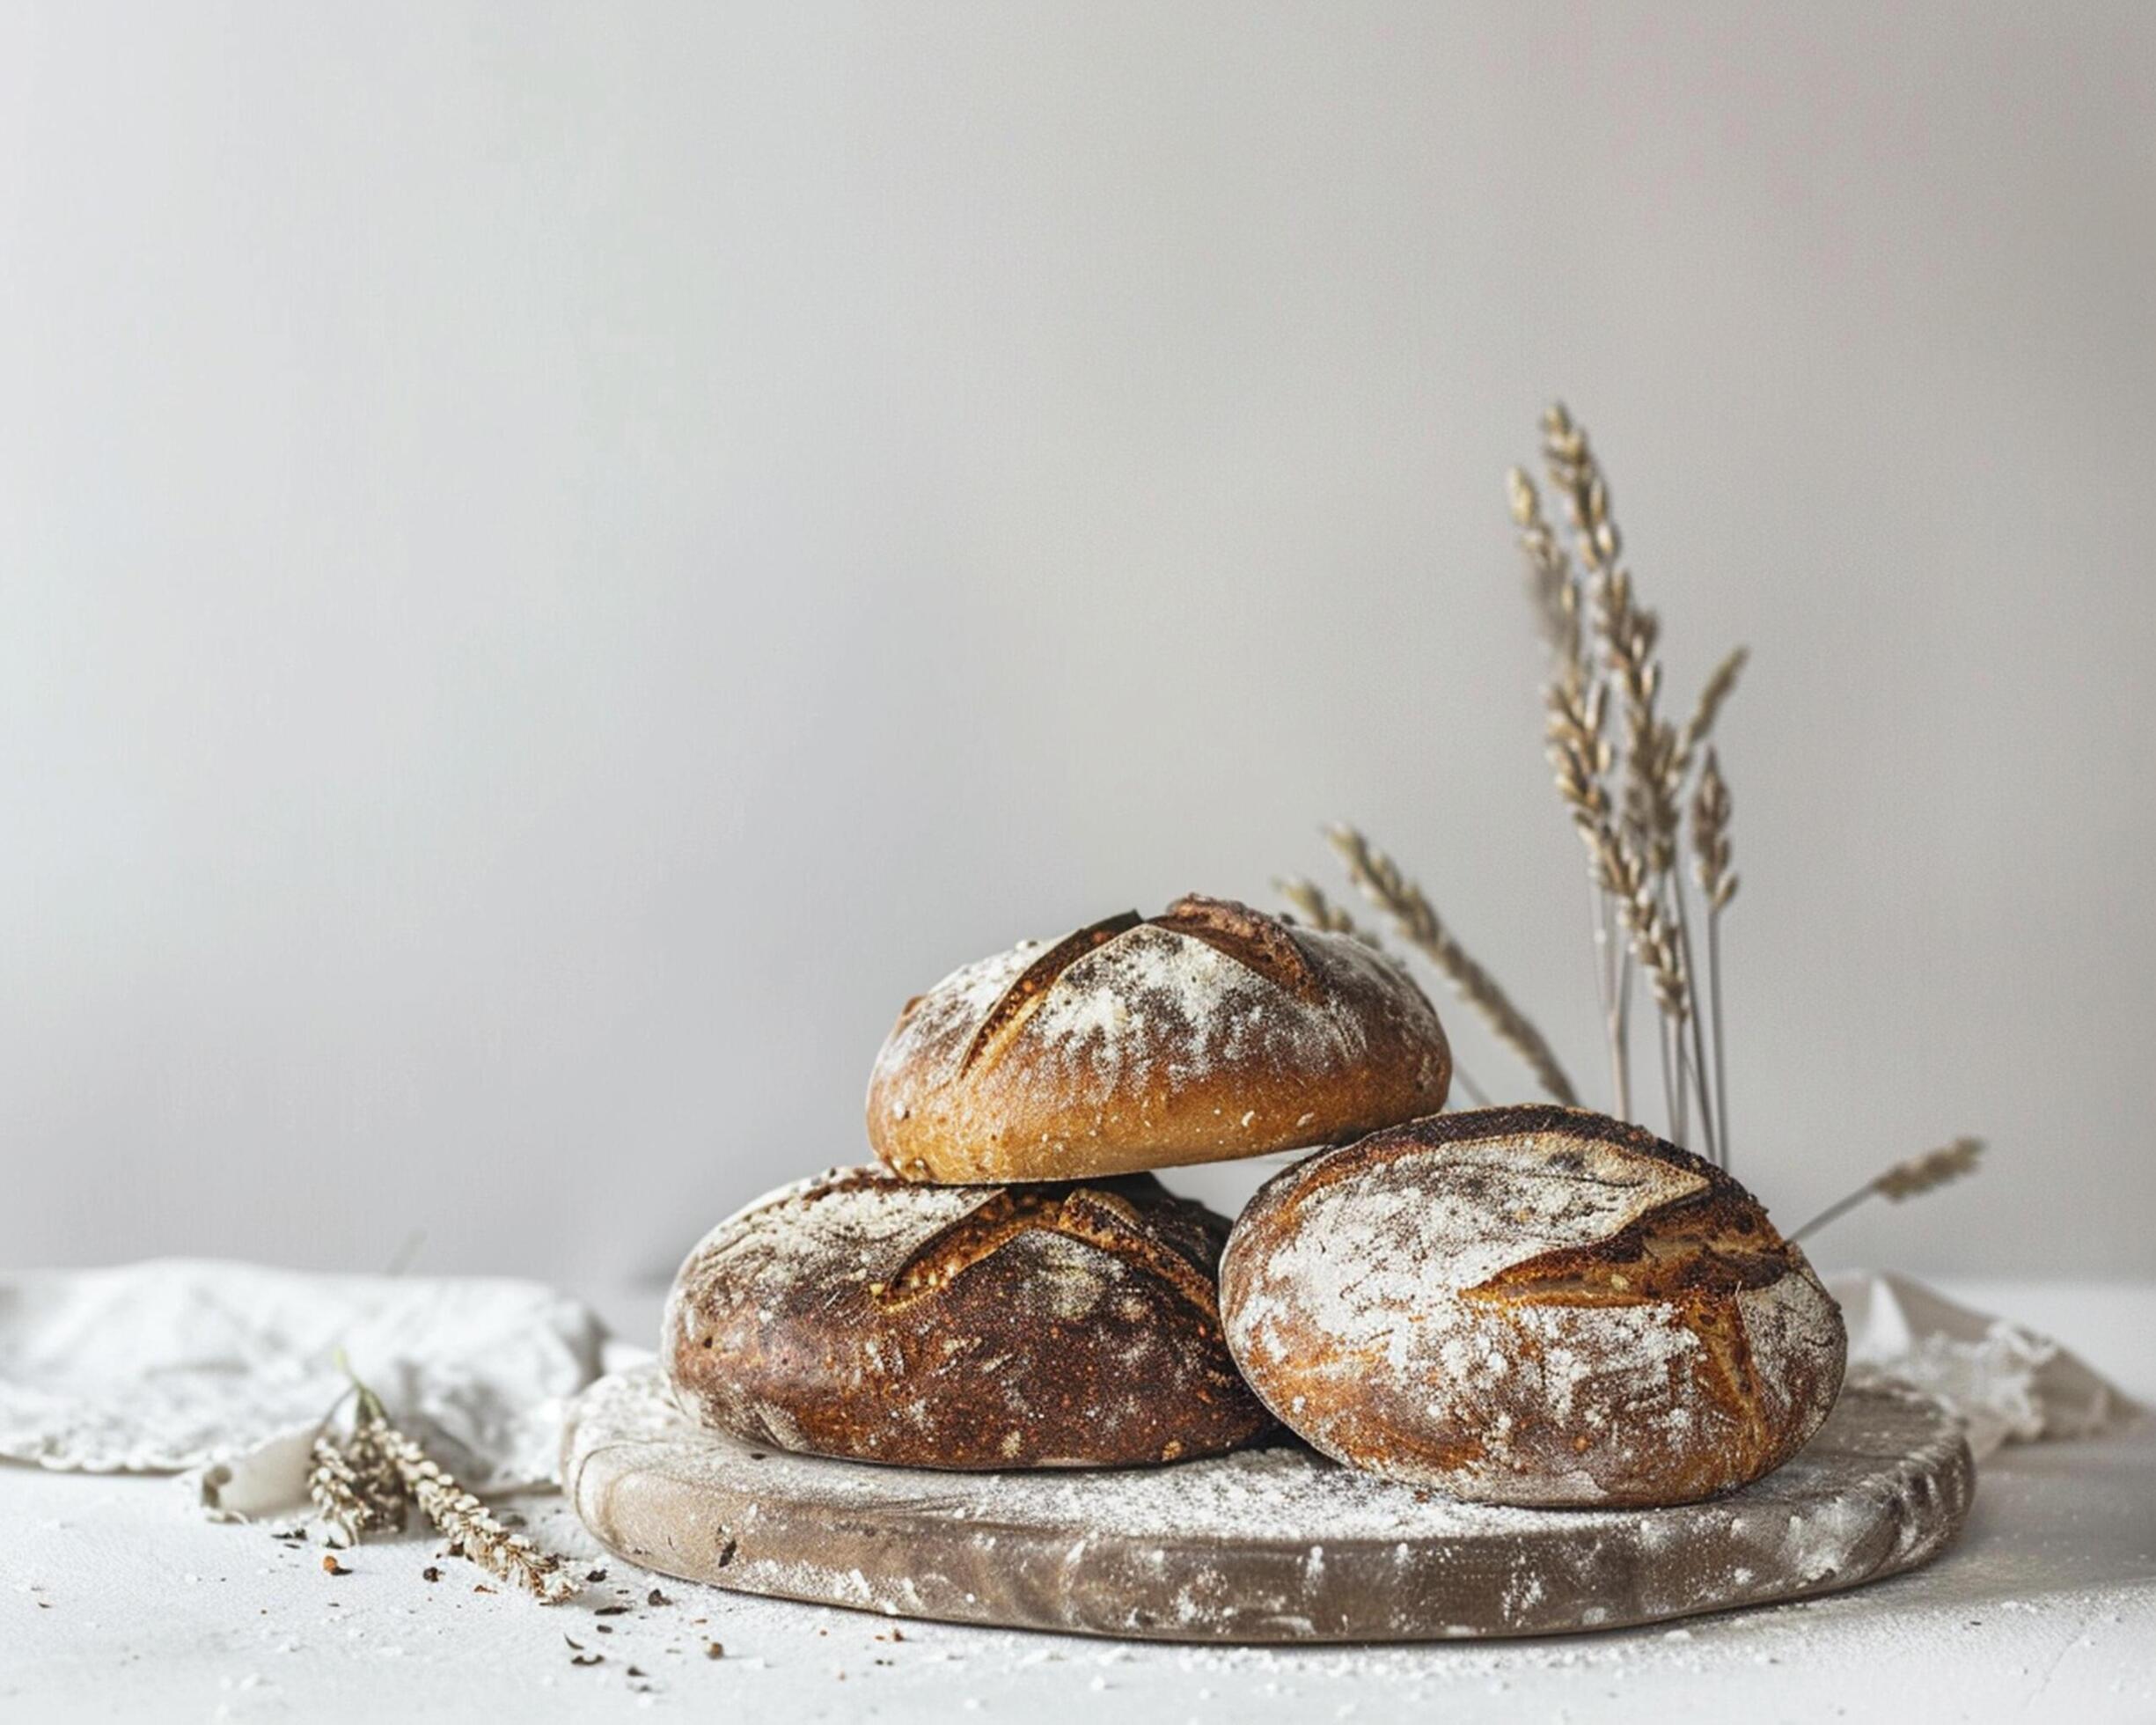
<point>557,563</point>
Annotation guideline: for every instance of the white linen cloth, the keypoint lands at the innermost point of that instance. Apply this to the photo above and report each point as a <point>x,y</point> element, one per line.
<point>224,1371</point>
<point>2006,1383</point>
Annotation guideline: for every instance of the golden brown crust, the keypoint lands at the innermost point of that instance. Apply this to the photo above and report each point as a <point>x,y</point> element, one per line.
<point>1209,1031</point>
<point>859,1316</point>
<point>1531,1305</point>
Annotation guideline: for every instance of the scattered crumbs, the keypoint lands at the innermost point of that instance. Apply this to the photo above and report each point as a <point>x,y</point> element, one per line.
<point>714,1650</point>
<point>575,1646</point>
<point>634,1672</point>
<point>480,1587</point>
<point>587,1659</point>
<point>654,1598</point>
<point>331,1566</point>
<point>430,1574</point>
<point>604,1628</point>
<point>611,1611</point>
<point>595,1575</point>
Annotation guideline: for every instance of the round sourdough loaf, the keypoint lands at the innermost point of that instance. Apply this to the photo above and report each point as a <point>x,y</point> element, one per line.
<point>861,1316</point>
<point>1530,1305</point>
<point>1211,1031</point>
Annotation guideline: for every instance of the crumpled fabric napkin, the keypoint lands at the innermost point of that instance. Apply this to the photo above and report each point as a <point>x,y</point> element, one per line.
<point>2006,1383</point>
<point>224,1371</point>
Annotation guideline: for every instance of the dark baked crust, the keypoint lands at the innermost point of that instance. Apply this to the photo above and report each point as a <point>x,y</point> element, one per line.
<point>859,1316</point>
<point>1533,1305</point>
<point>1208,1032</point>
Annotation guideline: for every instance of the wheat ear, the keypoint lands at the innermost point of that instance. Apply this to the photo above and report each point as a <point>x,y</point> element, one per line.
<point>1905,1179</point>
<point>343,1504</point>
<point>1714,696</point>
<point>1552,585</point>
<point>1717,886</point>
<point>1309,902</point>
<point>1655,760</point>
<point>1381,882</point>
<point>472,1529</point>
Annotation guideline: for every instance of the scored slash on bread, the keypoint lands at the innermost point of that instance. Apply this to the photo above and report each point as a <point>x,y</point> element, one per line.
<point>1098,1218</point>
<point>1031,988</point>
<point>1258,943</point>
<point>1211,1031</point>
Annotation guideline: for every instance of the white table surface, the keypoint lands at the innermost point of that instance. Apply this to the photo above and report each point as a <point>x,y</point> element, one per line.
<point>118,1600</point>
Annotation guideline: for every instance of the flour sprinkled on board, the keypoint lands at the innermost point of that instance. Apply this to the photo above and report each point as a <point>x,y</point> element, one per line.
<point>1270,1545</point>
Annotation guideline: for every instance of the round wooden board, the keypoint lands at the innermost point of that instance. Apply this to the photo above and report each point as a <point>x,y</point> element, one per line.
<point>1270,1545</point>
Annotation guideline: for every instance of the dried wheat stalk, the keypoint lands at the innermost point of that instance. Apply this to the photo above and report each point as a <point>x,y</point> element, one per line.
<point>1711,848</point>
<point>470,1529</point>
<point>1579,753</point>
<point>1720,685</point>
<point>1552,582</point>
<point>1905,1180</point>
<point>1576,696</point>
<point>1309,902</point>
<point>379,1478</point>
<point>347,1507</point>
<point>1631,852</point>
<point>1381,881</point>
<point>1717,886</point>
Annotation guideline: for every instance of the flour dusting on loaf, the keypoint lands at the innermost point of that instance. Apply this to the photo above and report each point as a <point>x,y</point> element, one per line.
<point>1211,1031</point>
<point>1534,1306</point>
<point>861,1316</point>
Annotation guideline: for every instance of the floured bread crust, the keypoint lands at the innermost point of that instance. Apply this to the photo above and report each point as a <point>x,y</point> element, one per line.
<point>861,1316</point>
<point>1532,1306</point>
<point>1209,1031</point>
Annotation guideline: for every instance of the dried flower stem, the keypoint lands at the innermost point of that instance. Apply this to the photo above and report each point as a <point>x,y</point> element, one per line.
<point>1310,903</point>
<point>1905,1179</point>
<point>1381,881</point>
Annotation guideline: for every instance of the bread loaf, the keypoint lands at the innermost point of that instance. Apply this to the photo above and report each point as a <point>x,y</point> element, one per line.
<point>1208,1032</point>
<point>856,1315</point>
<point>1534,1306</point>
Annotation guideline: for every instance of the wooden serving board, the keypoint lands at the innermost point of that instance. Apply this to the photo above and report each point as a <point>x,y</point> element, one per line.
<point>1270,1545</point>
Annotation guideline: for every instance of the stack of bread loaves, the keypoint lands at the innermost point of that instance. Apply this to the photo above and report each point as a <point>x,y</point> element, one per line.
<point>1523,1305</point>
